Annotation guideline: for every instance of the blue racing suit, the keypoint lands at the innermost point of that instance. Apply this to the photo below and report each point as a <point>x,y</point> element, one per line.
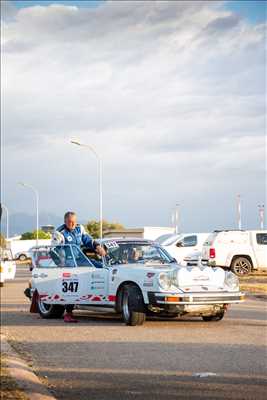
<point>80,237</point>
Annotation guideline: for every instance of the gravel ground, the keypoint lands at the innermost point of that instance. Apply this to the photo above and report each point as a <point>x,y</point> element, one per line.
<point>9,388</point>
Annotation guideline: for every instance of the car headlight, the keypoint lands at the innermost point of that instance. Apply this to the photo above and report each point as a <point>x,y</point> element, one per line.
<point>164,280</point>
<point>231,280</point>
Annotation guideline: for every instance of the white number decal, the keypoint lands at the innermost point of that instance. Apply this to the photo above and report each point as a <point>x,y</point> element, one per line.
<point>111,245</point>
<point>70,286</point>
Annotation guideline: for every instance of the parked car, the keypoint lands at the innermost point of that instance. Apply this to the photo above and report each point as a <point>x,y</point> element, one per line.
<point>185,248</point>
<point>7,266</point>
<point>137,278</point>
<point>241,251</point>
<point>21,248</point>
<point>162,238</point>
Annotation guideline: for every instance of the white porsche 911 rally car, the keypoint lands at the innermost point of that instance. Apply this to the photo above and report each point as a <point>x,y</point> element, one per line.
<point>136,278</point>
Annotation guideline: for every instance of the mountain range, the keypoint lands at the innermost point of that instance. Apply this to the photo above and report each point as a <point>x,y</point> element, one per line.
<point>22,222</point>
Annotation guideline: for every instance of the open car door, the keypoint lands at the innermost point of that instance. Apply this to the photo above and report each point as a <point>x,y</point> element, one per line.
<point>62,274</point>
<point>56,275</point>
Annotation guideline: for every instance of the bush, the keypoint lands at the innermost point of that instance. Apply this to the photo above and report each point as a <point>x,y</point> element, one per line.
<point>33,235</point>
<point>93,227</point>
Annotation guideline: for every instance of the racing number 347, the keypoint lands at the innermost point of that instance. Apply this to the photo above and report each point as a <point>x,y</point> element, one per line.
<point>69,286</point>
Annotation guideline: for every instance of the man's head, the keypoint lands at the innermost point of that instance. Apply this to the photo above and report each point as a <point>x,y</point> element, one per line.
<point>70,220</point>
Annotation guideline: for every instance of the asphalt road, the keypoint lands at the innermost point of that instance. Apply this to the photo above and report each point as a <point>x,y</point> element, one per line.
<point>101,358</point>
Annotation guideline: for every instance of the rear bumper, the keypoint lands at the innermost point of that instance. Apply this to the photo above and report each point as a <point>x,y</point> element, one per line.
<point>210,262</point>
<point>159,299</point>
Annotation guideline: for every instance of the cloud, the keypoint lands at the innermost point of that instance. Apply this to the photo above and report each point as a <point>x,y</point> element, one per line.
<point>172,94</point>
<point>8,10</point>
<point>221,24</point>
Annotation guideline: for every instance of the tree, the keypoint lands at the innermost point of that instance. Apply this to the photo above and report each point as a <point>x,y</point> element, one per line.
<point>33,235</point>
<point>2,241</point>
<point>93,227</point>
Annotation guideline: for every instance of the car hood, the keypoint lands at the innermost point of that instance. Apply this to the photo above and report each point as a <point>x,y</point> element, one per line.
<point>201,276</point>
<point>155,267</point>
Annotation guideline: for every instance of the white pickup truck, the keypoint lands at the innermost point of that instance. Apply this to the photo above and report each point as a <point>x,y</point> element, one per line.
<point>241,251</point>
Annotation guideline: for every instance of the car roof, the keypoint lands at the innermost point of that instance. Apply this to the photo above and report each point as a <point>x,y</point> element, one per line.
<point>128,240</point>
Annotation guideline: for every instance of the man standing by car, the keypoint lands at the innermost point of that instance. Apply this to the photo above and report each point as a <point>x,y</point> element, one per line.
<point>72,233</point>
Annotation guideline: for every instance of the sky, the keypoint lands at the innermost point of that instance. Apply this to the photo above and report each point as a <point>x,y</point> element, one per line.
<point>170,94</point>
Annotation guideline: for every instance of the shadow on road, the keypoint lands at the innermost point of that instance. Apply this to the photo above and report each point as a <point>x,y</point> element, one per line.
<point>107,370</point>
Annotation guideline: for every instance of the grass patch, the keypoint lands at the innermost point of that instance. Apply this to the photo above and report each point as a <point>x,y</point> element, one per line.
<point>253,288</point>
<point>254,283</point>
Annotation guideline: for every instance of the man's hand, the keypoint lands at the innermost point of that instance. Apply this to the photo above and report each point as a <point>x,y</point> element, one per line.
<point>100,251</point>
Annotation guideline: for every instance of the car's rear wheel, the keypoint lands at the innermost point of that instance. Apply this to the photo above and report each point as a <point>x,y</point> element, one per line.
<point>241,266</point>
<point>49,311</point>
<point>133,308</point>
<point>216,317</point>
<point>22,257</point>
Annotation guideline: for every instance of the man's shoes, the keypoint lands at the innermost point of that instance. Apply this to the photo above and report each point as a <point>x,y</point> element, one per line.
<point>69,318</point>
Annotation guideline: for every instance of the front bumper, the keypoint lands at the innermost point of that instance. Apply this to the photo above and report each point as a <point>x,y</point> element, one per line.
<point>160,299</point>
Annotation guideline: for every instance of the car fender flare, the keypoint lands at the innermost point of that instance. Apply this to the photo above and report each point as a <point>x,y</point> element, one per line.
<point>248,256</point>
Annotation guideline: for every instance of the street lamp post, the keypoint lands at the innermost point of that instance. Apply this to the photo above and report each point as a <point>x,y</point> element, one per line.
<point>175,218</point>
<point>35,191</point>
<point>7,222</point>
<point>177,224</point>
<point>100,172</point>
<point>239,215</point>
<point>261,215</point>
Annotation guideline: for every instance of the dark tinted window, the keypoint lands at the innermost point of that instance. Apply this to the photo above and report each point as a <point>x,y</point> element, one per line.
<point>261,238</point>
<point>189,241</point>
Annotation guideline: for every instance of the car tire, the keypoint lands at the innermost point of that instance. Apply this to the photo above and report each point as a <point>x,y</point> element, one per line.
<point>133,308</point>
<point>49,311</point>
<point>217,317</point>
<point>241,266</point>
<point>118,304</point>
<point>22,257</point>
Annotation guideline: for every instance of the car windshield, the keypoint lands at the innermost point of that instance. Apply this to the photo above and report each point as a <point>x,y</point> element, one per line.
<point>171,240</point>
<point>135,252</point>
<point>161,239</point>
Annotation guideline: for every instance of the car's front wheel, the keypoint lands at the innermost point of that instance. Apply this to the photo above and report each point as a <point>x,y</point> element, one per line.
<point>216,317</point>
<point>49,311</point>
<point>133,308</point>
<point>22,257</point>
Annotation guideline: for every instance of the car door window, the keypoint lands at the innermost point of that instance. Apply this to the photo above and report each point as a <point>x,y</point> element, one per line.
<point>80,259</point>
<point>261,238</point>
<point>190,241</point>
<point>53,257</point>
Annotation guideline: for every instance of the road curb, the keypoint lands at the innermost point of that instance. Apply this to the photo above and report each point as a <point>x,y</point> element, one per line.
<point>23,375</point>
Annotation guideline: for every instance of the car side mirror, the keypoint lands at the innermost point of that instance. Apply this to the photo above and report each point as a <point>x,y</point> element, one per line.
<point>179,244</point>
